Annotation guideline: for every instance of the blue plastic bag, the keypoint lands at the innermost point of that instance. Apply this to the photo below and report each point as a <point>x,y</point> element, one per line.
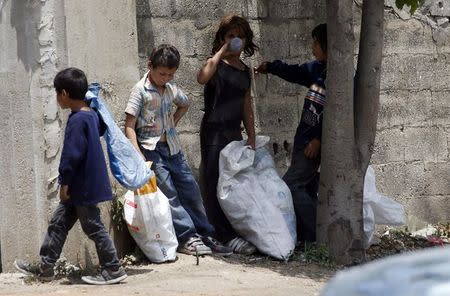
<point>127,166</point>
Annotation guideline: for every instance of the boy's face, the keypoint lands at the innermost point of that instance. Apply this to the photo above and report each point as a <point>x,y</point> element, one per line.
<point>317,51</point>
<point>161,75</point>
<point>63,99</point>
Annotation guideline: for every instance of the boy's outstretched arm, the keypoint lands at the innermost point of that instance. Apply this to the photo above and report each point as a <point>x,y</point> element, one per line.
<point>295,73</point>
<point>130,132</point>
<point>249,120</point>
<point>210,67</point>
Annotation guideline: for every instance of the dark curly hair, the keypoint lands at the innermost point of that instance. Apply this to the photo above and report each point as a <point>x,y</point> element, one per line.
<point>231,22</point>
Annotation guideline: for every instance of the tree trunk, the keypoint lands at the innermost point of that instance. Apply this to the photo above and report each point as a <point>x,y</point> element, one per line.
<point>339,219</point>
<point>367,82</point>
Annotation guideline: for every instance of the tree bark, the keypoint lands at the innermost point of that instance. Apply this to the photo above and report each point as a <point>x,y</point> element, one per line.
<point>367,81</point>
<point>339,216</point>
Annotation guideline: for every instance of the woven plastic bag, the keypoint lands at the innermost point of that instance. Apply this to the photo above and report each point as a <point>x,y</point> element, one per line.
<point>255,199</point>
<point>127,166</point>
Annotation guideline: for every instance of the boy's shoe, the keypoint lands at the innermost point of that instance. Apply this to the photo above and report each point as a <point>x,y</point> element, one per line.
<point>241,246</point>
<point>216,247</point>
<point>43,273</point>
<point>106,277</point>
<point>194,246</point>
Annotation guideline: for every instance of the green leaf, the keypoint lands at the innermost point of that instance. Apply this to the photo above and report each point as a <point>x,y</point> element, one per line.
<point>413,4</point>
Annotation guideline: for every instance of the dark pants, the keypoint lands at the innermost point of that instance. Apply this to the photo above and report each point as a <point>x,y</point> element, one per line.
<point>175,179</point>
<point>302,179</point>
<point>210,177</point>
<point>63,220</point>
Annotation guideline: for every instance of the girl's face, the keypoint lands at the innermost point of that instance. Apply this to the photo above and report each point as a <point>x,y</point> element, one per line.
<point>236,32</point>
<point>317,51</point>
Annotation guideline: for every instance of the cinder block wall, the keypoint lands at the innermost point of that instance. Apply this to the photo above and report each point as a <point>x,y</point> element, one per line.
<point>411,156</point>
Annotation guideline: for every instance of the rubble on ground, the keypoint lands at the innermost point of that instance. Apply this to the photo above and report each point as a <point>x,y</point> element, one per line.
<point>399,240</point>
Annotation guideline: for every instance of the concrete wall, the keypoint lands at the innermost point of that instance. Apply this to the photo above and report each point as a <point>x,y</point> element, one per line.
<point>31,127</point>
<point>411,156</point>
<point>37,39</point>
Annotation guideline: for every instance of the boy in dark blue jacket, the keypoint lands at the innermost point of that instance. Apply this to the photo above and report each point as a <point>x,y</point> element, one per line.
<point>302,175</point>
<point>84,182</point>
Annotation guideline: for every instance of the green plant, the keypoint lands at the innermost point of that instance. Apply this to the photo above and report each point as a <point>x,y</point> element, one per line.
<point>313,253</point>
<point>117,213</point>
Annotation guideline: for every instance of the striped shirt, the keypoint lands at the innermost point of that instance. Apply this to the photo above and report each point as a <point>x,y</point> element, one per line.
<point>154,113</point>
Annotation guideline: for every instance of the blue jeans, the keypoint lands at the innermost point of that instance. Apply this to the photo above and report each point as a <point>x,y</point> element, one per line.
<point>174,178</point>
<point>63,220</point>
<point>302,179</point>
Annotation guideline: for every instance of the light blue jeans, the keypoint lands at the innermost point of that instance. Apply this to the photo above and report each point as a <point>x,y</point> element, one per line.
<point>174,178</point>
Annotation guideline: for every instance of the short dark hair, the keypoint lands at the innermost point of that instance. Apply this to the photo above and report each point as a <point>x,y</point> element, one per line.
<point>230,22</point>
<point>319,33</point>
<point>165,55</point>
<point>73,81</point>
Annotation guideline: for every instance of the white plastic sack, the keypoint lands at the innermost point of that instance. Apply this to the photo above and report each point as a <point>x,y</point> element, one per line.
<point>378,209</point>
<point>127,166</point>
<point>255,199</point>
<point>147,214</point>
<point>422,273</point>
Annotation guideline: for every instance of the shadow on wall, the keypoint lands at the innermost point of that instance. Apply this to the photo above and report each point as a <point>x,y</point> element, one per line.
<point>24,17</point>
<point>146,39</point>
<point>2,4</point>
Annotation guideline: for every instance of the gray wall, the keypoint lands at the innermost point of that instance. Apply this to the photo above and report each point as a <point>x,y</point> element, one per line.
<point>411,157</point>
<point>37,39</point>
<point>31,126</point>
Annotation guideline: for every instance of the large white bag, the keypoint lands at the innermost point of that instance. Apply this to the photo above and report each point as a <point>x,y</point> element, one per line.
<point>148,217</point>
<point>378,209</point>
<point>255,199</point>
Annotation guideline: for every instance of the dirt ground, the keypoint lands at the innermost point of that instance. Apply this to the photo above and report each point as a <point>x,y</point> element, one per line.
<point>234,275</point>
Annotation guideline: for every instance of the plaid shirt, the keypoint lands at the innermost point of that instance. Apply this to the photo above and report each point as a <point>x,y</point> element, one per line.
<point>154,113</point>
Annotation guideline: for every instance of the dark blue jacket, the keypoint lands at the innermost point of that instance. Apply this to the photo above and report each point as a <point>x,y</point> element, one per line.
<point>308,74</point>
<point>83,165</point>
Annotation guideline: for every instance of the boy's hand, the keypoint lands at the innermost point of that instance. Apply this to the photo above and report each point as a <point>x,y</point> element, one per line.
<point>313,149</point>
<point>262,68</point>
<point>64,193</point>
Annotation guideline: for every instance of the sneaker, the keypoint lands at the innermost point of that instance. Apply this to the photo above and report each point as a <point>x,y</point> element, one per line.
<point>106,277</point>
<point>194,246</point>
<point>43,273</point>
<point>241,246</point>
<point>216,247</point>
